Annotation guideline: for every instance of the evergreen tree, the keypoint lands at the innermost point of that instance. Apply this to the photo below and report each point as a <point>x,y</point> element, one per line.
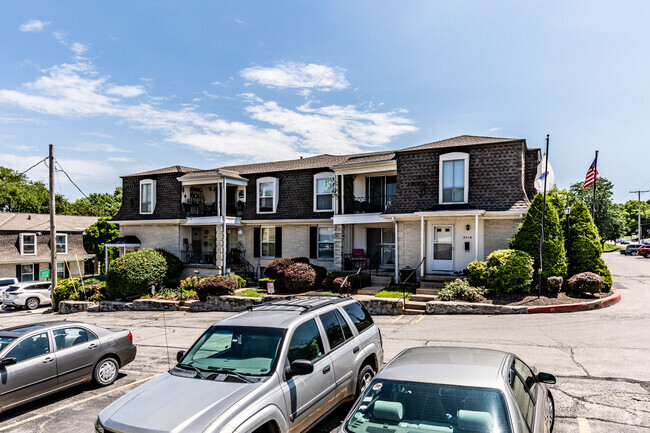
<point>529,233</point>
<point>584,245</point>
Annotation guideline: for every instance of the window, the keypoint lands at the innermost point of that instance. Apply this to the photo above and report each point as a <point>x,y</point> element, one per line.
<point>268,241</point>
<point>325,242</point>
<point>267,197</point>
<point>332,329</point>
<point>69,337</point>
<point>27,272</point>
<point>359,316</point>
<point>323,198</point>
<point>31,347</point>
<point>527,376</point>
<point>306,343</point>
<point>524,385</point>
<point>347,332</point>
<point>62,244</point>
<point>60,270</point>
<point>27,244</point>
<point>147,196</point>
<point>454,177</point>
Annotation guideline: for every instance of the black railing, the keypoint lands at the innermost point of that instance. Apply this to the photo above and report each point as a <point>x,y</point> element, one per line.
<point>235,209</point>
<point>200,209</point>
<point>198,258</point>
<point>374,203</point>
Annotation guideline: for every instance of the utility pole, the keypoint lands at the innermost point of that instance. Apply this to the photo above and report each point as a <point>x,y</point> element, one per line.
<point>638,193</point>
<point>53,275</point>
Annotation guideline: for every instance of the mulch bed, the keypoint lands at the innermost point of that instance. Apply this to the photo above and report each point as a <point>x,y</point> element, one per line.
<point>530,299</point>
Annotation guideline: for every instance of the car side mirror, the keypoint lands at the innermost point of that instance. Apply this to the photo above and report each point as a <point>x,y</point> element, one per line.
<point>7,361</point>
<point>180,355</point>
<point>299,367</point>
<point>546,378</point>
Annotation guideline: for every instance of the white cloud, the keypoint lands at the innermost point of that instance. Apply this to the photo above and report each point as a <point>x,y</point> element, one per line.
<point>238,21</point>
<point>493,129</point>
<point>33,26</point>
<point>97,147</point>
<point>298,75</point>
<point>125,91</point>
<point>77,48</point>
<point>121,159</point>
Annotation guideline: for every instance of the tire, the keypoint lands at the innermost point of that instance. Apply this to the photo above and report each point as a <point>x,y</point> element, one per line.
<point>32,303</point>
<point>549,414</point>
<point>106,371</point>
<point>364,378</point>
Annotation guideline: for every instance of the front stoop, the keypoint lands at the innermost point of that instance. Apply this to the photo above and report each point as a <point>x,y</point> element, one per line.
<point>371,290</point>
<point>415,307</point>
<point>431,284</point>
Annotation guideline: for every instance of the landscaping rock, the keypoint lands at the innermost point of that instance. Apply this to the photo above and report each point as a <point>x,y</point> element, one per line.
<point>115,306</point>
<point>69,307</point>
<point>154,305</point>
<point>383,306</point>
<point>230,303</point>
<point>444,307</point>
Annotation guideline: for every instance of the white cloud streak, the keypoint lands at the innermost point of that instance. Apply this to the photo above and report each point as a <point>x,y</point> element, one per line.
<point>297,75</point>
<point>33,26</point>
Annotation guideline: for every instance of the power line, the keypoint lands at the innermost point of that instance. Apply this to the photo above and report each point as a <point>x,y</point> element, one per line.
<point>71,181</point>
<point>20,174</point>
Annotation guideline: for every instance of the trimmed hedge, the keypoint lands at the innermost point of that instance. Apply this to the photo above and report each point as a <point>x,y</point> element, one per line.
<point>586,282</point>
<point>554,284</point>
<point>174,268</point>
<point>134,273</point>
<point>277,267</point>
<point>241,282</point>
<point>460,290</point>
<point>67,289</point>
<point>216,286</point>
<point>477,273</point>
<point>299,277</point>
<point>321,274</point>
<point>509,271</point>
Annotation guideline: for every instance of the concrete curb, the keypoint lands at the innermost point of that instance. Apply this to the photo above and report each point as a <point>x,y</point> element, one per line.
<point>582,306</point>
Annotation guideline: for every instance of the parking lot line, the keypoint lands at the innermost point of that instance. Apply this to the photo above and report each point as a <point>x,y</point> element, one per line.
<point>395,320</point>
<point>418,319</point>
<point>35,417</point>
<point>583,425</point>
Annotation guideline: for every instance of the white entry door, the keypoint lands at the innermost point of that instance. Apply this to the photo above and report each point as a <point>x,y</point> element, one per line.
<point>443,248</point>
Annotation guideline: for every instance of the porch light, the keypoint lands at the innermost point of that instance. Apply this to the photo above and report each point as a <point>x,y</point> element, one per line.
<point>567,210</point>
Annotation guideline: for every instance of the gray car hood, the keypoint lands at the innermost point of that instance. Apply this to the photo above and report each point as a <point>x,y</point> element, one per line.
<point>171,403</point>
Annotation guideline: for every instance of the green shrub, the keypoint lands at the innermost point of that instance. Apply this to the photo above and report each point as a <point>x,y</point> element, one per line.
<point>174,268</point>
<point>321,274</point>
<point>357,281</point>
<point>529,233</point>
<point>67,289</point>
<point>134,273</point>
<point>277,267</point>
<point>586,282</point>
<point>460,290</point>
<point>299,277</point>
<point>477,273</point>
<point>263,281</point>
<point>554,284</point>
<point>509,271</point>
<point>241,282</point>
<point>216,286</point>
<point>189,283</point>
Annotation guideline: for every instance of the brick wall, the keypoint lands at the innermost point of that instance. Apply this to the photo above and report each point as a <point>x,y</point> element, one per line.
<point>154,236</point>
<point>495,178</point>
<point>497,233</point>
<point>168,198</point>
<point>409,243</point>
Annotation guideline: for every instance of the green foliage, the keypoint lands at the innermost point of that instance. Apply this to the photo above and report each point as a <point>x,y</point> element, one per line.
<point>586,282</point>
<point>251,293</point>
<point>263,281</point>
<point>357,281</point>
<point>277,268</point>
<point>173,294</point>
<point>630,210</point>
<point>241,282</point>
<point>97,235</point>
<point>529,233</point>
<point>216,286</point>
<point>174,268</point>
<point>477,273</point>
<point>134,273</point>
<point>610,220</point>
<point>460,290</point>
<point>67,289</point>
<point>509,271</point>
<point>341,285</point>
<point>299,277</point>
<point>189,283</point>
<point>19,194</point>
<point>554,284</point>
<point>98,204</point>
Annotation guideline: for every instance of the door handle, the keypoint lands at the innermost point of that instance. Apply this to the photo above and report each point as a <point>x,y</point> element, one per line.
<point>326,369</point>
<point>48,360</point>
<point>355,350</point>
<point>92,345</point>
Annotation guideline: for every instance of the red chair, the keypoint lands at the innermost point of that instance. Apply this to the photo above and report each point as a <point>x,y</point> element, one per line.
<point>359,256</point>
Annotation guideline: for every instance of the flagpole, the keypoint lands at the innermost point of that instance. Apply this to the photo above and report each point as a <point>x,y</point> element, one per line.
<point>593,204</point>
<point>541,239</point>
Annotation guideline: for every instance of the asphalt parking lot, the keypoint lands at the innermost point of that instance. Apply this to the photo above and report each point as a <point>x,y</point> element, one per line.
<point>599,357</point>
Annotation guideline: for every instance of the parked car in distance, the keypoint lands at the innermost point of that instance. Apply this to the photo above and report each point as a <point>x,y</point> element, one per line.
<point>631,249</point>
<point>5,282</point>
<point>454,389</point>
<point>30,295</point>
<point>40,359</point>
<point>278,367</point>
<point>644,251</point>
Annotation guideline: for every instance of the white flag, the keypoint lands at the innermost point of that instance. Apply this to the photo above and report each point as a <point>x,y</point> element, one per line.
<point>544,171</point>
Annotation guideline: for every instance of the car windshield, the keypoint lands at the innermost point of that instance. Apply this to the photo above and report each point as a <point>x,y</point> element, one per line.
<point>413,407</point>
<point>5,341</point>
<point>248,350</point>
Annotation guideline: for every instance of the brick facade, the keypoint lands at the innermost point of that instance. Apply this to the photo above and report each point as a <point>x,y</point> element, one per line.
<point>154,236</point>
<point>497,233</point>
<point>408,234</point>
<point>533,158</point>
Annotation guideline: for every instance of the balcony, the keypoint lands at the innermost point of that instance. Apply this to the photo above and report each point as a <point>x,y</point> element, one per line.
<point>372,204</point>
<point>198,258</point>
<point>197,209</point>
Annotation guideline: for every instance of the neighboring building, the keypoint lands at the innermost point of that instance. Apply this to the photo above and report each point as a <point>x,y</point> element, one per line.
<point>25,245</point>
<point>444,204</point>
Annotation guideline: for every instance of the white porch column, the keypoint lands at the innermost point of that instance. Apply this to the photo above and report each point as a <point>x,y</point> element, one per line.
<point>396,253</point>
<point>105,259</point>
<point>475,237</point>
<point>422,246</point>
<point>224,248</point>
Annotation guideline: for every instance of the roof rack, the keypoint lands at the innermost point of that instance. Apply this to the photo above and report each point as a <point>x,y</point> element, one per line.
<point>305,307</point>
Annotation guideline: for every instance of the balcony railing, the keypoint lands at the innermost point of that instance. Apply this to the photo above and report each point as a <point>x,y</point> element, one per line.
<point>200,209</point>
<point>374,203</point>
<point>198,258</point>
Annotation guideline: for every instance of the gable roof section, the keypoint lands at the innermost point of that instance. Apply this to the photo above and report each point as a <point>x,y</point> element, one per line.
<point>180,169</point>
<point>211,173</point>
<point>461,140</point>
<point>28,222</point>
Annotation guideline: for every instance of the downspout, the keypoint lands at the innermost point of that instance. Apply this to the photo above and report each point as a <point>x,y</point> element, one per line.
<point>396,252</point>
<point>475,237</point>
<point>422,246</point>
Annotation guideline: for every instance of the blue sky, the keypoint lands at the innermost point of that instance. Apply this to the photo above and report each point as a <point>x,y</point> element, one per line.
<point>120,87</point>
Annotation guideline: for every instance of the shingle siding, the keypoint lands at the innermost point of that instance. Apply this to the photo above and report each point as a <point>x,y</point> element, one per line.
<point>533,158</point>
<point>168,198</point>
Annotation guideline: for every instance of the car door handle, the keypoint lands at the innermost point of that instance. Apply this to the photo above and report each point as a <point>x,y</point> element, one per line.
<point>355,350</point>
<point>48,360</point>
<point>92,345</point>
<point>326,369</point>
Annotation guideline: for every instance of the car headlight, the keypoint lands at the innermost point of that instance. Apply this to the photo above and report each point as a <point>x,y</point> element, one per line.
<point>99,428</point>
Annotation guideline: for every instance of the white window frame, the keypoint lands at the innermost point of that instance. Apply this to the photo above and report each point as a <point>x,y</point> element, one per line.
<point>323,175</point>
<point>65,243</point>
<point>57,270</point>
<point>153,196</point>
<point>22,244</point>
<point>318,242</point>
<point>262,241</point>
<point>22,273</point>
<point>274,181</point>
<point>454,156</point>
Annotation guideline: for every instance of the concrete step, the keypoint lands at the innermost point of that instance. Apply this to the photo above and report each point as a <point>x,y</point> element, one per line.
<point>370,290</point>
<point>432,285</point>
<point>426,291</point>
<point>414,305</point>
<point>423,298</point>
<point>412,312</point>
<point>440,277</point>
<point>381,281</point>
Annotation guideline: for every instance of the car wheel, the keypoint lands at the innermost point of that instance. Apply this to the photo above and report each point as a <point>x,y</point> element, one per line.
<point>549,414</point>
<point>32,303</point>
<point>364,378</point>
<point>106,371</point>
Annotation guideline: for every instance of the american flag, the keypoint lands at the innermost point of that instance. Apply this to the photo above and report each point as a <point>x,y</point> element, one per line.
<point>592,175</point>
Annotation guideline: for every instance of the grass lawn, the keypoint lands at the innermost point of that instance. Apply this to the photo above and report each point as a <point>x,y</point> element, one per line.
<point>610,247</point>
<point>251,293</point>
<point>396,292</point>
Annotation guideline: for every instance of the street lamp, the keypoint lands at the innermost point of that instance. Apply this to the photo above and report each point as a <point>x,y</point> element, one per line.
<point>567,212</point>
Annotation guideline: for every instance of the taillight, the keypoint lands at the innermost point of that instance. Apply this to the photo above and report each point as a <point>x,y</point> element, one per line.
<point>15,293</point>
<point>130,336</point>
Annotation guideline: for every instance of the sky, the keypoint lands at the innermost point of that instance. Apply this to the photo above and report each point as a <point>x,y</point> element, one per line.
<point>121,87</point>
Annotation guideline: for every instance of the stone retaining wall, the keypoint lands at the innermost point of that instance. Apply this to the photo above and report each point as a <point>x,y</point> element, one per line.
<point>446,307</point>
<point>69,307</point>
<point>154,305</point>
<point>383,306</point>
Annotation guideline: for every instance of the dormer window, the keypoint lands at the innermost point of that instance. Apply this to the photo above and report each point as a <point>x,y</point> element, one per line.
<point>28,244</point>
<point>454,178</point>
<point>147,196</point>
<point>267,194</point>
<point>61,243</point>
<point>323,199</point>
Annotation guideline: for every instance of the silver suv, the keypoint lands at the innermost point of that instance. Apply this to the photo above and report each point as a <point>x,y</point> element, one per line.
<point>279,367</point>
